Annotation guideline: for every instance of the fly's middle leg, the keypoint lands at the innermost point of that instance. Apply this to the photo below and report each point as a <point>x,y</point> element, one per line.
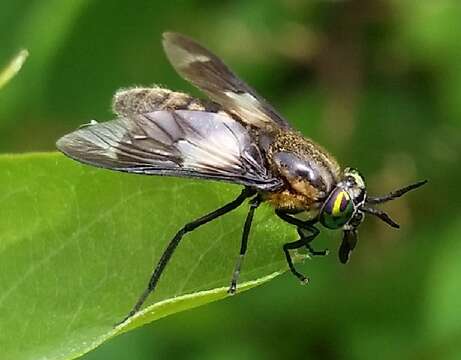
<point>254,203</point>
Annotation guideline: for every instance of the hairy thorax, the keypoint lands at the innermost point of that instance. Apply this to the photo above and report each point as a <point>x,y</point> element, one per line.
<point>309,172</point>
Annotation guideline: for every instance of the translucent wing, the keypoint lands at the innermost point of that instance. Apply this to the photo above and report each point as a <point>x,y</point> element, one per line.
<point>207,72</point>
<point>180,143</point>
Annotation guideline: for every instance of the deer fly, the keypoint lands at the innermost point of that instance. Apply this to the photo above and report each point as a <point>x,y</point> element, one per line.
<point>237,137</point>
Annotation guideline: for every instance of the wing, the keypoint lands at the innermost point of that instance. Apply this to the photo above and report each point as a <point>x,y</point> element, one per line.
<point>208,73</point>
<point>185,143</point>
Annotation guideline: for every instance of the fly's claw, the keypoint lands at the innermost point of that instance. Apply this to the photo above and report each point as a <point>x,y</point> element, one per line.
<point>304,280</point>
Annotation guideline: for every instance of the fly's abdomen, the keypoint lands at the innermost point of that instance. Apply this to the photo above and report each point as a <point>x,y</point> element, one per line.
<point>140,100</point>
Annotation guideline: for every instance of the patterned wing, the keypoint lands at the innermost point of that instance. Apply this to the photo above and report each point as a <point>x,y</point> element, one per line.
<point>207,72</point>
<point>185,143</point>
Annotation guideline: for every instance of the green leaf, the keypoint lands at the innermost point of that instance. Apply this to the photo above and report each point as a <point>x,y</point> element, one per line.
<point>13,67</point>
<point>78,245</point>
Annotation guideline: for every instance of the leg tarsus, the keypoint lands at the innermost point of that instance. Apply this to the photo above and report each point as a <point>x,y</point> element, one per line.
<point>235,275</point>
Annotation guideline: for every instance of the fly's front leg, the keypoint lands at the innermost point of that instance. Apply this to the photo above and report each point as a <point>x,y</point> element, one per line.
<point>308,232</point>
<point>286,249</point>
<point>307,235</point>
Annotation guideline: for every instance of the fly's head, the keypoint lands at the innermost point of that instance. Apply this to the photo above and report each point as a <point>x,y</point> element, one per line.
<point>346,205</point>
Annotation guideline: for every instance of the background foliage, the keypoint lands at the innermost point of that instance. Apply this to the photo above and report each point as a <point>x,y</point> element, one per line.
<point>377,82</point>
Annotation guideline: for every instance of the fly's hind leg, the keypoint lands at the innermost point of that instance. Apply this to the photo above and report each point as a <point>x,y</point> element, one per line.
<point>168,252</point>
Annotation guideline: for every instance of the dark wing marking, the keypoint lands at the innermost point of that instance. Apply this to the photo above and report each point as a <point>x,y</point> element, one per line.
<point>207,72</point>
<point>180,143</point>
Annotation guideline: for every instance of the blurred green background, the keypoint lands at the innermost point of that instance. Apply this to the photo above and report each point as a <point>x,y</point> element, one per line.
<point>376,82</point>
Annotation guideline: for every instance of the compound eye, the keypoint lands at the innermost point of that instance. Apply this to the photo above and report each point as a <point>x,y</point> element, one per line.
<point>337,209</point>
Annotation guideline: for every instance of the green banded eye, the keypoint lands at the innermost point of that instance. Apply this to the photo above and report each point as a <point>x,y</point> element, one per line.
<point>337,209</point>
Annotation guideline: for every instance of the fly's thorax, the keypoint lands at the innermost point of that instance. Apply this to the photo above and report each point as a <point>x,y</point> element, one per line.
<point>289,200</point>
<point>306,168</point>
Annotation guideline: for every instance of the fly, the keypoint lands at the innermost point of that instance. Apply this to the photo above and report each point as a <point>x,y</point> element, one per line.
<point>237,137</point>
